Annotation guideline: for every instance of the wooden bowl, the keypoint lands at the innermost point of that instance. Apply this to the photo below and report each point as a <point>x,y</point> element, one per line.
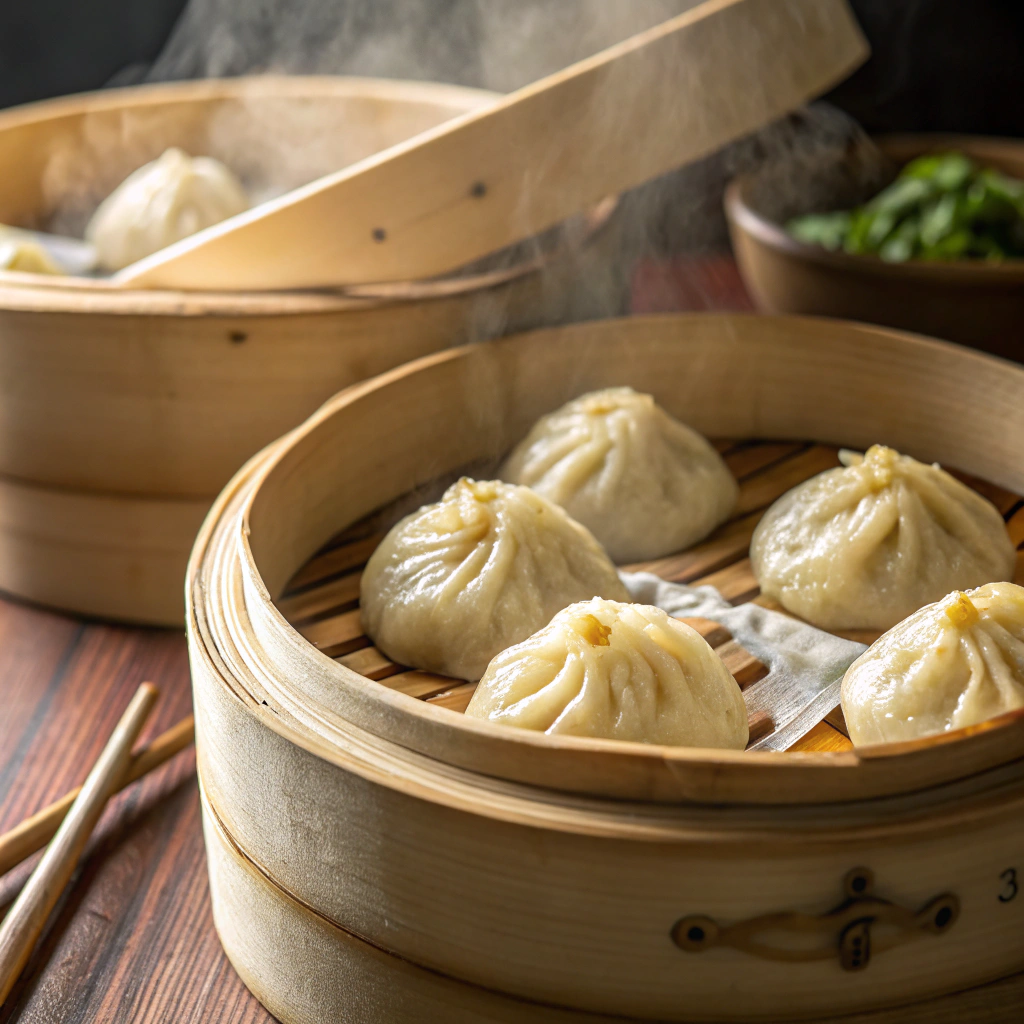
<point>147,402</point>
<point>970,301</point>
<point>443,868</point>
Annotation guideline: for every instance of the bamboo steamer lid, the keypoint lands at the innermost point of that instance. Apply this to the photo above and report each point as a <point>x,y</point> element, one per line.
<point>403,830</point>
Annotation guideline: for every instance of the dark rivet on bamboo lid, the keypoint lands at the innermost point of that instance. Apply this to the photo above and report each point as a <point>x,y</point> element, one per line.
<point>379,235</point>
<point>237,337</point>
<point>695,934</point>
<point>479,190</point>
<point>858,882</point>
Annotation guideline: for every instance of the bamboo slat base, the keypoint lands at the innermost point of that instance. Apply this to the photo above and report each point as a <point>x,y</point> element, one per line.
<point>322,600</point>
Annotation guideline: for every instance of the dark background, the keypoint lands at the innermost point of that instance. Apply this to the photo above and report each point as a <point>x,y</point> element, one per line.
<point>954,65</point>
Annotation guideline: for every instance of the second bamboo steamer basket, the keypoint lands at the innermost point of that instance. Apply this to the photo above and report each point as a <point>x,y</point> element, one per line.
<point>123,413</point>
<point>443,869</point>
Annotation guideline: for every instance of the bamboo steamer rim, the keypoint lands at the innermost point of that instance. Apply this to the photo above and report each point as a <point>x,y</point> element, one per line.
<point>37,293</point>
<point>899,147</point>
<point>602,767</point>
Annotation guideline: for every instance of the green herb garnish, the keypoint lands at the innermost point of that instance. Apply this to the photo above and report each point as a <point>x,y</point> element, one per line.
<point>941,207</point>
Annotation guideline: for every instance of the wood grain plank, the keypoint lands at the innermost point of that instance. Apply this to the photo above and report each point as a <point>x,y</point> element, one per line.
<point>760,724</point>
<point>370,662</point>
<point>324,598</point>
<point>860,636</point>
<point>350,554</point>
<point>714,633</point>
<point>837,720</point>
<point>761,490</point>
<point>736,582</point>
<point>747,460</point>
<point>133,939</point>
<point>1003,499</point>
<point>742,665</point>
<point>455,699</point>
<point>340,634</point>
<point>420,684</point>
<point>100,672</point>
<point>727,544</point>
<point>35,649</point>
<point>823,737</point>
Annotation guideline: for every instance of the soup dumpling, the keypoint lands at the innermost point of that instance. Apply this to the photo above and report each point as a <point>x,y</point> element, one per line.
<point>26,255</point>
<point>865,545</point>
<point>456,582</point>
<point>162,202</point>
<point>642,482</point>
<point>616,671</point>
<point>954,663</point>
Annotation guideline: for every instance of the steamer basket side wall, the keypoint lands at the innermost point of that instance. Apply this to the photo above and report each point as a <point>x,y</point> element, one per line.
<point>332,969</point>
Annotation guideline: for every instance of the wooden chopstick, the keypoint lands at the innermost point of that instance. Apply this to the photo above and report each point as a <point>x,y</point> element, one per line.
<point>34,833</point>
<point>25,920</point>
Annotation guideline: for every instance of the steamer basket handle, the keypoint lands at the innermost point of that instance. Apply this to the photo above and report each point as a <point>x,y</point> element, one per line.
<point>846,931</point>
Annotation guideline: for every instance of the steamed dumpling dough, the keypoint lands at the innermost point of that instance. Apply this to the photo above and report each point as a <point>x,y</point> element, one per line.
<point>866,545</point>
<point>162,202</point>
<point>642,482</point>
<point>20,253</point>
<point>952,664</point>
<point>616,671</point>
<point>456,582</point>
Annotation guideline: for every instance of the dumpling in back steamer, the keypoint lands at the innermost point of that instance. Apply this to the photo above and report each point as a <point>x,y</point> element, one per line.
<point>642,482</point>
<point>951,664</point>
<point>456,582</point>
<point>162,202</point>
<point>616,671</point>
<point>867,544</point>
<point>18,252</point>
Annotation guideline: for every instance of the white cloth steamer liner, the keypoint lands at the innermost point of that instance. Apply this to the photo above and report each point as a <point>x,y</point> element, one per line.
<point>806,665</point>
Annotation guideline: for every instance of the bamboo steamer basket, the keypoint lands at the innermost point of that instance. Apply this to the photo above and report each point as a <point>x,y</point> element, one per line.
<point>124,412</point>
<point>376,856</point>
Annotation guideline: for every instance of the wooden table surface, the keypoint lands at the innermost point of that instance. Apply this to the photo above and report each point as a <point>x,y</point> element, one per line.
<point>133,940</point>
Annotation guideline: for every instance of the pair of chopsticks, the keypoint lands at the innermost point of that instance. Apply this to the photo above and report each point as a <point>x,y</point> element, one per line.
<point>70,821</point>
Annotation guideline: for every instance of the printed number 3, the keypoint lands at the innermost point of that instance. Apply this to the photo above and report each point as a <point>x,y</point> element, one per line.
<point>1009,880</point>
